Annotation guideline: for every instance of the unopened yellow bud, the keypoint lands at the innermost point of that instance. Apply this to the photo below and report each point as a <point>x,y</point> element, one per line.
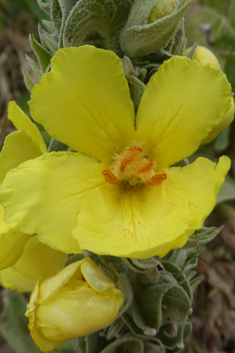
<point>204,56</point>
<point>161,9</point>
<point>77,301</point>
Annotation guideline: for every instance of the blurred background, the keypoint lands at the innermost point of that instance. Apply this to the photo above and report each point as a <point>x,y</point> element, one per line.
<point>212,24</point>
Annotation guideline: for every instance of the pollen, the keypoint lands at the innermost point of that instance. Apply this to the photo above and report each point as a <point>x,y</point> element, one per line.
<point>132,167</point>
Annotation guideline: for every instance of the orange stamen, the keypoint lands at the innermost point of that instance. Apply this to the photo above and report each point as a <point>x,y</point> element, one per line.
<point>147,166</point>
<point>135,148</point>
<point>110,177</point>
<point>125,162</point>
<point>156,179</point>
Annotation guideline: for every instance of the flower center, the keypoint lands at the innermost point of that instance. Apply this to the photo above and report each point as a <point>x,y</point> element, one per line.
<point>132,166</point>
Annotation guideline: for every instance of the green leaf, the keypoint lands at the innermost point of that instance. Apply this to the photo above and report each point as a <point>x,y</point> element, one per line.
<point>148,311</point>
<point>45,6</point>
<point>96,22</point>
<point>34,67</point>
<point>127,343</point>
<point>57,146</point>
<point>227,192</point>
<point>195,282</point>
<point>174,344</point>
<point>48,26</point>
<point>28,80</point>
<point>178,306</point>
<point>47,40</point>
<point>43,55</point>
<point>202,237</point>
<point>139,39</point>
<point>56,15</point>
<point>136,89</point>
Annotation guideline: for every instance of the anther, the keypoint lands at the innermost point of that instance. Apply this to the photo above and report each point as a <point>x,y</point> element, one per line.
<point>156,179</point>
<point>147,166</point>
<point>110,177</point>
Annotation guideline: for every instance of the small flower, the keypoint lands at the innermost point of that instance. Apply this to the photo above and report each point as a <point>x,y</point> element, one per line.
<point>77,301</point>
<point>19,146</point>
<point>121,194</point>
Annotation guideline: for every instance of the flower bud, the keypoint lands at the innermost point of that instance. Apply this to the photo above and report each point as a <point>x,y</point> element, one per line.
<point>151,25</point>
<point>161,9</point>
<point>77,301</point>
<point>205,56</point>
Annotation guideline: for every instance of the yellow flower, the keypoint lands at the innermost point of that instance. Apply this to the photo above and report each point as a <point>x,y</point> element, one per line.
<point>120,195</point>
<point>205,56</point>
<point>77,301</point>
<point>37,260</point>
<point>19,146</point>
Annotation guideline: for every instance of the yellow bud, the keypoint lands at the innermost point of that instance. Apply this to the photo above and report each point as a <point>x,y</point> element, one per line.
<point>204,56</point>
<point>77,301</point>
<point>227,119</point>
<point>161,9</point>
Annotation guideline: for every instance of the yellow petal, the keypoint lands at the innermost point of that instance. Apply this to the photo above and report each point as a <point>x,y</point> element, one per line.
<point>82,311</point>
<point>50,286</point>
<point>22,122</point>
<point>84,101</point>
<point>18,148</point>
<point>45,196</point>
<point>227,119</point>
<point>45,344</point>
<point>37,260</point>
<point>96,278</point>
<point>154,220</point>
<point>12,242</point>
<point>181,104</point>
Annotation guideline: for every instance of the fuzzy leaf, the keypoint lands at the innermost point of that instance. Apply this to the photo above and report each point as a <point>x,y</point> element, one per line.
<point>136,89</point>
<point>28,80</point>
<point>96,22</point>
<point>202,237</point>
<point>34,67</point>
<point>127,343</point>
<point>47,40</point>
<point>174,344</point>
<point>195,282</point>
<point>178,306</point>
<point>56,15</point>
<point>148,311</point>
<point>44,5</point>
<point>139,39</point>
<point>41,53</point>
